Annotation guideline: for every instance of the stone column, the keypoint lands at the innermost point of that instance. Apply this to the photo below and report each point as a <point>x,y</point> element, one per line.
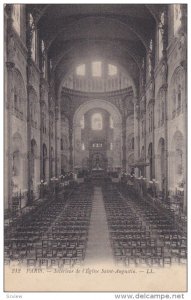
<point>124,141</point>
<point>29,138</point>
<point>30,29</point>
<point>145,136</point>
<point>50,144</point>
<point>70,132</point>
<point>153,138</point>
<point>8,138</point>
<point>137,118</point>
<point>10,65</point>
<point>56,139</point>
<point>165,87</point>
<point>41,133</point>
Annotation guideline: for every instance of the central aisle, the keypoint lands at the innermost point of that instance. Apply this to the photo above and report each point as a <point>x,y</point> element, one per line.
<point>98,246</point>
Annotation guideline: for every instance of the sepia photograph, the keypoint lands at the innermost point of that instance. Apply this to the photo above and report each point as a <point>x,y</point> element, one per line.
<point>95,147</point>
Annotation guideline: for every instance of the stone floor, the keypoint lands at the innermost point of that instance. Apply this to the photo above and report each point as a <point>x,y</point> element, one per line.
<point>98,247</point>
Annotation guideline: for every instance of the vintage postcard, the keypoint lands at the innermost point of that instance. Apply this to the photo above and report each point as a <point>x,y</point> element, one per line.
<point>95,147</point>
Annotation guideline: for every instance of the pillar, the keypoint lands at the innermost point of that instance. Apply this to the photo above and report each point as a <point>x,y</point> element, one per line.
<point>56,139</point>
<point>70,132</point>
<point>10,66</point>
<point>8,137</point>
<point>29,85</point>
<point>124,141</point>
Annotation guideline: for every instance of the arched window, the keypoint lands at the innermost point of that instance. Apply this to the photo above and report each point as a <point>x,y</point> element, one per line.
<point>160,36</point>
<point>43,59</point>
<point>112,70</point>
<point>83,146</point>
<point>81,70</point>
<point>97,122</point>
<point>150,55</point>
<point>33,44</point>
<point>177,88</point>
<point>19,104</point>
<point>177,17</point>
<point>96,68</point>
<point>17,17</point>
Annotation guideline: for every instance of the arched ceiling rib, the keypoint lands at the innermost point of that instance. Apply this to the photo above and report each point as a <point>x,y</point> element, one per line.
<point>119,32</point>
<point>95,48</point>
<point>97,27</point>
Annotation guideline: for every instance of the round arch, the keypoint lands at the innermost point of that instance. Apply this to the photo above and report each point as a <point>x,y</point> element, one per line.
<point>78,155</point>
<point>177,93</point>
<point>17,161</point>
<point>97,103</point>
<point>177,160</point>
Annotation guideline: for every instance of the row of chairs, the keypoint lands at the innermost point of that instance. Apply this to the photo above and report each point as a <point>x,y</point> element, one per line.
<point>58,231</point>
<point>141,233</point>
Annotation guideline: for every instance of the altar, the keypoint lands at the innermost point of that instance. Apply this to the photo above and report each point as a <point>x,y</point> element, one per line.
<point>98,173</point>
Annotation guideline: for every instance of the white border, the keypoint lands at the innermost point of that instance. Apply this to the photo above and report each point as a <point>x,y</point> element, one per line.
<point>79,296</point>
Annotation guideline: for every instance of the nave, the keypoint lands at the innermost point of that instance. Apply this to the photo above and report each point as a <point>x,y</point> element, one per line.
<point>96,224</point>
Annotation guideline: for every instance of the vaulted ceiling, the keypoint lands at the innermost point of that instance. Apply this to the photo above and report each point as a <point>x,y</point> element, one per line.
<point>118,32</point>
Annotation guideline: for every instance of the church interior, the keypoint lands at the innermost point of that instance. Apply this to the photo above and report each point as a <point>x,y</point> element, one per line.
<point>95,118</point>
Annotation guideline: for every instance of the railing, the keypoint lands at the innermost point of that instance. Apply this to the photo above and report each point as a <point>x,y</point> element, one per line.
<point>16,205</point>
<point>55,185</point>
<point>142,187</point>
